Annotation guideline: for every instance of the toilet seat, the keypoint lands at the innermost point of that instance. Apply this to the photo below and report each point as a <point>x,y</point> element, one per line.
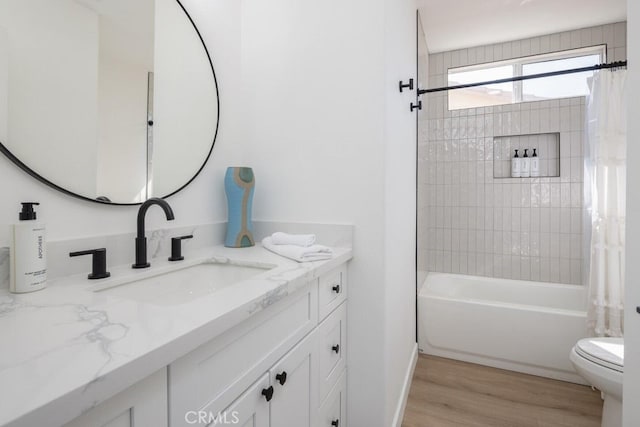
<point>605,352</point>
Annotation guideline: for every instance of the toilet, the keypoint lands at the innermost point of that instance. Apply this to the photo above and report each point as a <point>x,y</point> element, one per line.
<point>600,362</point>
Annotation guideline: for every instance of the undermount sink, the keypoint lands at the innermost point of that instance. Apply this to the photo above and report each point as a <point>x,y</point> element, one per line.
<point>185,284</point>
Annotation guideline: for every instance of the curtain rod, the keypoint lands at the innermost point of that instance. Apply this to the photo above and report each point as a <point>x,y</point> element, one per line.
<point>617,64</point>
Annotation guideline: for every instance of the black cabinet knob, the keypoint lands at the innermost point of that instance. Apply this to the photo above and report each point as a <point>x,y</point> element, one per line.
<point>268,393</point>
<point>335,423</point>
<point>99,262</point>
<point>336,289</point>
<point>336,348</point>
<point>282,377</point>
<point>176,247</point>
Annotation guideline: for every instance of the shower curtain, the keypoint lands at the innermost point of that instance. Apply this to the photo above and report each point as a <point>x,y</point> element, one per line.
<point>606,199</point>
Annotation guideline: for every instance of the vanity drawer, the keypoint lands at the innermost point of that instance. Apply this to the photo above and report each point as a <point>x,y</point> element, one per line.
<point>212,376</point>
<point>332,349</point>
<point>332,290</point>
<point>333,411</point>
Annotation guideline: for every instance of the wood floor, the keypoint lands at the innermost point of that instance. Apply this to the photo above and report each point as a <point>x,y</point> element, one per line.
<point>448,393</point>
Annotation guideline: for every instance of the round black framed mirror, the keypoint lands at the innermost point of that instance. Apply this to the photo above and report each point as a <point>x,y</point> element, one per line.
<point>111,102</point>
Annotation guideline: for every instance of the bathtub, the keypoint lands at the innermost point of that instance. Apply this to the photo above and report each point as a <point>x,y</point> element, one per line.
<point>517,325</point>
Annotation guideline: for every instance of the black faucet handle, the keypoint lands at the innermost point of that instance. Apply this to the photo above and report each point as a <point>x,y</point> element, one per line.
<point>99,262</point>
<point>176,247</point>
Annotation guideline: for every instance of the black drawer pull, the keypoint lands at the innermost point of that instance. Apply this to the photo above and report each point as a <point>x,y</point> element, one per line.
<point>336,348</point>
<point>336,289</point>
<point>268,393</point>
<point>282,378</point>
<point>335,423</point>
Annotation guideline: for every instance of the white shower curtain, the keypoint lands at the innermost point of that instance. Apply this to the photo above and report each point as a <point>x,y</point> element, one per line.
<point>606,198</point>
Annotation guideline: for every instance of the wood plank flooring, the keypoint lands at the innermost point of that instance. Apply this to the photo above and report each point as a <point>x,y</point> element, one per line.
<point>448,393</point>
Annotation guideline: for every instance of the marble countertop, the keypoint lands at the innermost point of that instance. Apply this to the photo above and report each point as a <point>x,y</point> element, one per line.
<point>67,348</point>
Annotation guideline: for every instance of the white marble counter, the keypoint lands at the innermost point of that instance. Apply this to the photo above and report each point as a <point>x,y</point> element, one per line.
<point>66,348</point>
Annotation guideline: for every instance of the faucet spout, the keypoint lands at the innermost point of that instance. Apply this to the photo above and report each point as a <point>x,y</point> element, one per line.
<point>141,239</point>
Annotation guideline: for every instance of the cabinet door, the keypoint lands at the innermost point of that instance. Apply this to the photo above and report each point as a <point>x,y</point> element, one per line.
<point>294,379</point>
<point>333,412</point>
<point>249,410</point>
<point>332,349</point>
<point>142,404</point>
<point>332,290</point>
<point>211,377</point>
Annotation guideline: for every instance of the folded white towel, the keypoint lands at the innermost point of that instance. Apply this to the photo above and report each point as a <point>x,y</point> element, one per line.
<point>299,253</point>
<point>280,238</point>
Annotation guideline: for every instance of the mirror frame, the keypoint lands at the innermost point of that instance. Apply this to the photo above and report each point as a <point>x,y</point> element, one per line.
<point>45,181</point>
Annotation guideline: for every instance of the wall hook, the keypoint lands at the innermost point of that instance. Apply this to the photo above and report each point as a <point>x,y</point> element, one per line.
<point>408,85</point>
<point>418,106</point>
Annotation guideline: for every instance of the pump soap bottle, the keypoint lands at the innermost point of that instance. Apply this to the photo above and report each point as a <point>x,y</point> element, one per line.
<point>525,169</point>
<point>28,253</point>
<point>535,164</point>
<point>515,166</point>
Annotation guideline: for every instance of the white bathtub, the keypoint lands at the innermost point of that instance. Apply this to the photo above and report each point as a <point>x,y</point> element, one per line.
<point>518,325</point>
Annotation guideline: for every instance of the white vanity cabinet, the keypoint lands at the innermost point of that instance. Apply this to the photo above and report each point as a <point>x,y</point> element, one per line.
<point>279,368</point>
<point>285,366</point>
<point>142,404</point>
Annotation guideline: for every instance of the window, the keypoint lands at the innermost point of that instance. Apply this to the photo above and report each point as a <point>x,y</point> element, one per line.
<point>562,86</point>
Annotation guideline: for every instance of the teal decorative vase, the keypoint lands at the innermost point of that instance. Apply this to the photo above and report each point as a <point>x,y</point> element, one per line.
<point>239,184</point>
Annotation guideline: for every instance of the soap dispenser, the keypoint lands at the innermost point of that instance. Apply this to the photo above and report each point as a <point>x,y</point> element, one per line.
<point>515,166</point>
<point>525,168</point>
<point>28,252</point>
<point>535,164</point>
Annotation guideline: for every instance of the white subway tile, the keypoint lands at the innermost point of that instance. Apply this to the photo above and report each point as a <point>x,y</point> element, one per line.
<point>471,56</point>
<point>525,47</point>
<point>554,270</point>
<point>497,52</point>
<point>608,35</point>
<point>488,53</point>
<point>516,49</point>
<point>585,37</point>
<point>535,46</point>
<point>576,272</point>
<point>565,40</point>
<point>565,270</point>
<point>620,34</point>
<point>506,50</point>
<point>597,35</point>
<point>515,267</point>
<point>576,40</point>
<point>576,220</point>
<point>565,220</point>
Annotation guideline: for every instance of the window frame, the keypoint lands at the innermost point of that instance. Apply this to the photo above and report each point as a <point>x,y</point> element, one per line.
<point>518,63</point>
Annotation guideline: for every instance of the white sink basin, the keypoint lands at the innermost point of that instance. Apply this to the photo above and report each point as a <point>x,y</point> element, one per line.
<point>184,284</point>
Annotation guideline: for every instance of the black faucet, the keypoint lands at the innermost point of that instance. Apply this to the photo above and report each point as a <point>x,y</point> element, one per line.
<point>141,240</point>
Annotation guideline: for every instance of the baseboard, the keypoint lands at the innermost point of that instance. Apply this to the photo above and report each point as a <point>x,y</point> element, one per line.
<point>406,386</point>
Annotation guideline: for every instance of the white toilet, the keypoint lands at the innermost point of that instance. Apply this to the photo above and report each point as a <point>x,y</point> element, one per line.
<point>600,361</point>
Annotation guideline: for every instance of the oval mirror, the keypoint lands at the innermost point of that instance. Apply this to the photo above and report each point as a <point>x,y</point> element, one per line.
<point>113,101</point>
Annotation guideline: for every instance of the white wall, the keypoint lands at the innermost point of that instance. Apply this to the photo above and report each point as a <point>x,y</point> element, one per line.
<point>632,282</point>
<point>331,140</point>
<point>400,197</point>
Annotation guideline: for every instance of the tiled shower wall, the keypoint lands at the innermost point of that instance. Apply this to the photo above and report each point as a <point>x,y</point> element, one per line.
<point>518,228</point>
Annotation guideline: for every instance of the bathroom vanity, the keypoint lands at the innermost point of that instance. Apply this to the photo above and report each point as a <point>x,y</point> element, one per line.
<point>268,349</point>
